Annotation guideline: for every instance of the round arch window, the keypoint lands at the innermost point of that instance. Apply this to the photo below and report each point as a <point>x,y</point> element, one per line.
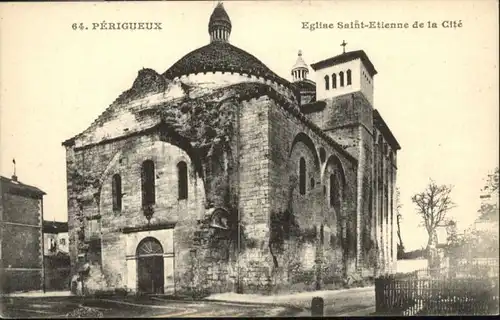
<point>149,246</point>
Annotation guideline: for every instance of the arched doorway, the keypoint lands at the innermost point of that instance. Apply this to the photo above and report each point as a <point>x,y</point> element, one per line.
<point>150,268</point>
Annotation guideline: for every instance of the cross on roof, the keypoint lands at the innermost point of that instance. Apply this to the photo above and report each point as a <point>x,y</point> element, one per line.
<point>343,44</point>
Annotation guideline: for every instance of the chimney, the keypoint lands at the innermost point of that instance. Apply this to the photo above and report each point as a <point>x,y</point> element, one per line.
<point>14,177</point>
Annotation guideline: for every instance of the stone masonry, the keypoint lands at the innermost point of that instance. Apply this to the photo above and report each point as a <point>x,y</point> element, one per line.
<point>275,194</point>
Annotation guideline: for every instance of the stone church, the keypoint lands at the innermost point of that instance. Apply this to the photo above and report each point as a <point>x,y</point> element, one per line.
<point>219,175</point>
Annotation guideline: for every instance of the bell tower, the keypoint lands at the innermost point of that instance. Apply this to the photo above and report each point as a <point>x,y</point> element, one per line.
<point>348,72</point>
<point>345,84</point>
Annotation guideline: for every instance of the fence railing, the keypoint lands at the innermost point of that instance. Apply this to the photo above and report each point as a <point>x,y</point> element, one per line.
<point>459,288</point>
<point>446,296</point>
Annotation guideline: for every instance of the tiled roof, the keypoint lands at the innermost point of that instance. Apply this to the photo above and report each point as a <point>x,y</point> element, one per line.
<point>345,57</point>
<point>223,57</point>
<point>305,85</point>
<point>54,226</point>
<point>17,187</point>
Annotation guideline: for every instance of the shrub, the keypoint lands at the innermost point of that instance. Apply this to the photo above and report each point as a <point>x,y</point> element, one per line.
<point>307,277</point>
<point>85,312</point>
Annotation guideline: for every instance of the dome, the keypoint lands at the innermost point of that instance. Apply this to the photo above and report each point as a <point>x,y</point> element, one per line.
<point>300,62</point>
<point>222,57</point>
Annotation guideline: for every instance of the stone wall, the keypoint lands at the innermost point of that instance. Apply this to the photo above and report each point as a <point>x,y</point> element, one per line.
<point>23,250</point>
<point>253,265</point>
<point>21,209</point>
<point>21,243</point>
<point>318,243</point>
<point>255,179</point>
<point>57,273</point>
<point>349,120</point>
<point>125,158</point>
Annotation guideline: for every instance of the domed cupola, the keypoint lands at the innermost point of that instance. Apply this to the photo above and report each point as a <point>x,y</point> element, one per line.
<point>300,69</point>
<point>219,26</point>
<point>220,63</point>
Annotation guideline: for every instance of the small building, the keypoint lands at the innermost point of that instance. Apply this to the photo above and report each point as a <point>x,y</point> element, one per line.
<point>55,236</point>
<point>56,255</point>
<point>485,225</point>
<point>21,254</point>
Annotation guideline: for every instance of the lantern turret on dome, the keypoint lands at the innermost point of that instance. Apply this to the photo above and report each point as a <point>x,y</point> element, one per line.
<point>219,26</point>
<point>300,70</point>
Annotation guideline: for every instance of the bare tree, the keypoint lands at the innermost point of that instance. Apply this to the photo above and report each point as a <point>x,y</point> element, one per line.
<point>432,205</point>
<point>399,217</point>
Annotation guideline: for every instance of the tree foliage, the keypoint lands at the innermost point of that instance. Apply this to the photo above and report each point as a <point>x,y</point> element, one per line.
<point>473,244</point>
<point>489,209</point>
<point>476,242</point>
<point>492,181</point>
<point>432,205</point>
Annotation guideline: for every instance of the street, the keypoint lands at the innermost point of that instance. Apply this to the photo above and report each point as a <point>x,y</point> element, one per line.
<point>359,303</point>
<point>350,302</point>
<point>132,307</point>
<point>345,302</point>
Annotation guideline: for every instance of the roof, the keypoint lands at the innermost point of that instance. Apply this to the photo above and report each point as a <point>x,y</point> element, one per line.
<point>148,81</point>
<point>219,16</point>
<point>384,129</point>
<point>54,226</point>
<point>16,187</point>
<point>305,85</point>
<point>223,57</point>
<point>345,57</point>
<point>300,63</point>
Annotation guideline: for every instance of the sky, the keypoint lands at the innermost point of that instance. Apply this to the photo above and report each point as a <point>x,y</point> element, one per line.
<point>436,88</point>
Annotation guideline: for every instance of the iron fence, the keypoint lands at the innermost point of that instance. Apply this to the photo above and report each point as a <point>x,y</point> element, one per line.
<point>409,297</point>
<point>462,288</point>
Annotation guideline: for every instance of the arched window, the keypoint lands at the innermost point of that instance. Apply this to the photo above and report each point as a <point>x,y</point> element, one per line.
<point>332,190</point>
<point>327,83</point>
<point>348,74</point>
<point>322,234</point>
<point>302,176</point>
<point>149,246</point>
<point>334,81</point>
<point>182,180</point>
<point>148,182</point>
<point>116,192</point>
<point>341,77</point>
<point>337,188</point>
